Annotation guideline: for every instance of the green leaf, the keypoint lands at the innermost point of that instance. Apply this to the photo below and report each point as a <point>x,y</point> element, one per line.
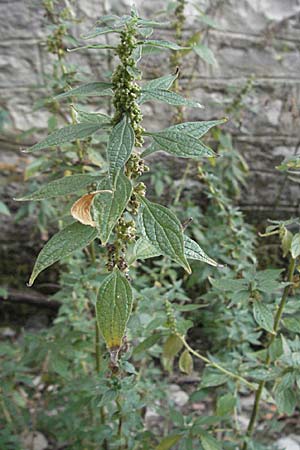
<point>207,20</point>
<point>285,400</point>
<point>263,316</point>
<point>292,324</point>
<point>192,250</point>
<point>143,249</point>
<point>120,145</point>
<point>151,23</point>
<point>164,82</point>
<point>96,88</point>
<point>180,144</point>
<point>172,346</point>
<point>295,246</point>
<point>66,134</point>
<point>210,379</point>
<point>225,404</point>
<point>108,207</point>
<point>63,186</point>
<point>146,344</point>
<point>162,228</point>
<point>84,116</point>
<point>74,237</point>
<point>286,241</point>
<point>93,47</point>
<point>162,44</point>
<point>186,362</point>
<point>169,97</point>
<point>228,284</point>
<point>208,442</point>
<point>197,129</point>
<point>205,53</point>
<point>98,31</point>
<point>168,442</point>
<point>113,308</point>
<point>4,209</point>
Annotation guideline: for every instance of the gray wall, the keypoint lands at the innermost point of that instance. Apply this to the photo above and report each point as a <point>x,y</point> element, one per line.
<point>259,37</point>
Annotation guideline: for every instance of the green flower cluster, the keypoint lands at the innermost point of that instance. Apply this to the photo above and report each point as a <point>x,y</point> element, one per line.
<point>126,90</point>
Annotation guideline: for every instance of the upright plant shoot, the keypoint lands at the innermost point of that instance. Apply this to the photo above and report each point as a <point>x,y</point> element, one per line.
<point>114,209</point>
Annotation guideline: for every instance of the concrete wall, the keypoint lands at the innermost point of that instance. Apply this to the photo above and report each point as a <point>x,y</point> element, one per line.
<point>256,37</point>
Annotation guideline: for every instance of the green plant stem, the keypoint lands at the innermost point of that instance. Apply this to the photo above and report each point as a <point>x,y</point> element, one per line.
<point>216,365</point>
<point>182,183</point>
<point>120,421</point>
<point>277,320</point>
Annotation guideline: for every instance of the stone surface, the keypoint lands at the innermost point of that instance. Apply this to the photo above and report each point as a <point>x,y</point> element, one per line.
<point>177,395</point>
<point>253,37</point>
<point>288,443</point>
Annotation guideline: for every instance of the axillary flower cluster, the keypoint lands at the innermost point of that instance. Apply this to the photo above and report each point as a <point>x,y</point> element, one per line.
<point>126,93</point>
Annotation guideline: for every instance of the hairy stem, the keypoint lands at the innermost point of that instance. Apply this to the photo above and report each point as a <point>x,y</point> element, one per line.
<point>272,338</point>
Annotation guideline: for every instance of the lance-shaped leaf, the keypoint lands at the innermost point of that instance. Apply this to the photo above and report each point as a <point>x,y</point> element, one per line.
<point>192,250</point>
<point>74,237</point>
<point>108,207</point>
<point>143,249</point>
<point>151,23</point>
<point>67,134</point>
<point>113,308</point>
<point>178,143</point>
<point>119,148</point>
<point>205,53</point>
<point>263,316</point>
<point>93,47</point>
<point>98,31</point>
<point>96,88</point>
<point>162,44</point>
<point>162,228</point>
<point>84,116</point>
<point>197,129</point>
<point>171,98</point>
<point>295,246</point>
<point>164,82</point>
<point>63,186</point>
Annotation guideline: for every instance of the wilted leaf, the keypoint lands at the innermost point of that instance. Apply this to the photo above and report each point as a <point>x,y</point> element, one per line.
<point>81,209</point>
<point>108,207</point>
